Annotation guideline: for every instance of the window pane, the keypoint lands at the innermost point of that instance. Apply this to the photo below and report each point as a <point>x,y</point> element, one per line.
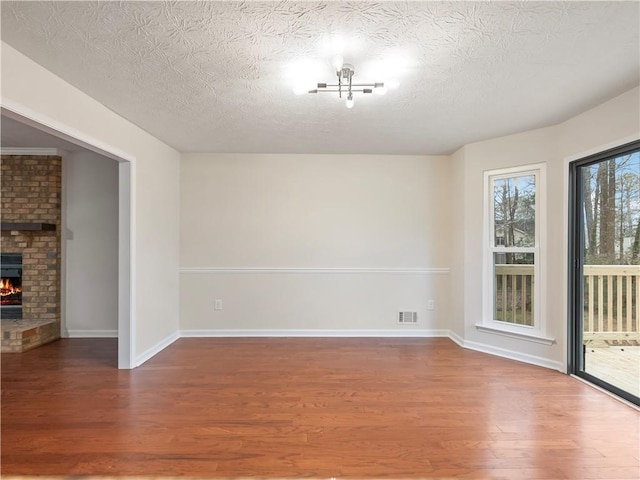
<point>513,298</point>
<point>611,211</point>
<point>514,213</point>
<point>610,248</point>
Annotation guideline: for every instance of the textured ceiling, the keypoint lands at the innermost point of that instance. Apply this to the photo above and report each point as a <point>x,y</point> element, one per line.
<point>217,76</point>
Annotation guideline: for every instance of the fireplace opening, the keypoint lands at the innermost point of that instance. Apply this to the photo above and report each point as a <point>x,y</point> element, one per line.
<point>11,285</point>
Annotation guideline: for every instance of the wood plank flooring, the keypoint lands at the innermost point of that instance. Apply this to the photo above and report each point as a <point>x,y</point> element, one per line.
<point>366,408</point>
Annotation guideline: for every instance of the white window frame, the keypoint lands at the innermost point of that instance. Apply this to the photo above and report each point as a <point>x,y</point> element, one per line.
<point>537,332</point>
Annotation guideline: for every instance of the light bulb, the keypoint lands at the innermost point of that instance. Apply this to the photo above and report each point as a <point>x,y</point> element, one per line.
<point>350,101</point>
<point>338,61</point>
<point>380,90</point>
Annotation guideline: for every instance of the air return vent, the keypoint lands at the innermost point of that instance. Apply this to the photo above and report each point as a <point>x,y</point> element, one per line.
<point>408,317</point>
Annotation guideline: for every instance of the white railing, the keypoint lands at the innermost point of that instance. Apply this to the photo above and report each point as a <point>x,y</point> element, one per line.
<point>611,299</point>
<point>514,294</point>
<point>611,302</point>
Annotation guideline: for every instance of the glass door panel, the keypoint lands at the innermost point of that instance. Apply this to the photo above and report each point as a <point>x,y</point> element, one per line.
<point>605,251</point>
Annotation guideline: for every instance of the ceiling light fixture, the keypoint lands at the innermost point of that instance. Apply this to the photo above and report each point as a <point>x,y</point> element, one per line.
<point>345,85</point>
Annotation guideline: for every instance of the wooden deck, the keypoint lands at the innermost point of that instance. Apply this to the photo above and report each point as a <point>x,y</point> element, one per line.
<point>618,365</point>
<point>282,408</point>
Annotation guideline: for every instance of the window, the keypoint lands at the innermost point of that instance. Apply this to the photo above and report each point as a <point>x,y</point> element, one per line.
<point>512,264</point>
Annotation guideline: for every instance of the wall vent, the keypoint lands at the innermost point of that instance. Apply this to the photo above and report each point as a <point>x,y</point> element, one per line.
<point>407,317</point>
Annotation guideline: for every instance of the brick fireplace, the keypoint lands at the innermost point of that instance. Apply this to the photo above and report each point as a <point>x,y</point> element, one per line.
<point>31,224</point>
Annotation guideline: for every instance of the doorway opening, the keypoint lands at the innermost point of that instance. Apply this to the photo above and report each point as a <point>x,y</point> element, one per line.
<point>126,233</point>
<point>604,270</point>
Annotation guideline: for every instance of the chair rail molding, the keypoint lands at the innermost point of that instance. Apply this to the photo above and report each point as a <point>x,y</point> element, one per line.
<point>315,270</point>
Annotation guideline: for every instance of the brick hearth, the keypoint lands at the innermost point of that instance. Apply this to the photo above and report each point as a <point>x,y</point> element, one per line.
<point>31,193</point>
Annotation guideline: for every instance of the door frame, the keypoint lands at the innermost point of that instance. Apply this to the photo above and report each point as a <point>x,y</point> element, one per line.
<point>126,217</point>
<point>575,288</point>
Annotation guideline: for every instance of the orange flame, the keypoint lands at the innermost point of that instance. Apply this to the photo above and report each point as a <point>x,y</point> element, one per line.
<point>8,288</point>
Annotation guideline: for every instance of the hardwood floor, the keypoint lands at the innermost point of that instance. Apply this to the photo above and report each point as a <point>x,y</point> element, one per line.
<point>307,407</point>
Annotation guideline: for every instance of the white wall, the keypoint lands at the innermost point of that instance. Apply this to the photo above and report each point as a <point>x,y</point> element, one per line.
<point>605,126</point>
<point>613,123</point>
<point>35,93</point>
<point>458,235</point>
<point>349,225</point>
<point>537,146</point>
<point>321,214</point>
<point>90,250</point>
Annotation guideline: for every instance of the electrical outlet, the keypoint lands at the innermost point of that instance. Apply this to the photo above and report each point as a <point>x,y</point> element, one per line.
<point>431,305</point>
<point>217,304</point>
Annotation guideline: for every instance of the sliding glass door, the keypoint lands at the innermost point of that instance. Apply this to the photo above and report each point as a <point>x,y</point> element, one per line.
<point>604,254</point>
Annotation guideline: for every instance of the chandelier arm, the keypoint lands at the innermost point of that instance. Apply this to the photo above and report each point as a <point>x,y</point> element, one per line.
<point>354,90</point>
<point>347,86</point>
<point>372,85</point>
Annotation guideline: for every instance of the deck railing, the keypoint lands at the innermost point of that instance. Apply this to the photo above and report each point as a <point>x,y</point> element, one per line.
<point>514,294</point>
<point>611,302</point>
<point>611,299</point>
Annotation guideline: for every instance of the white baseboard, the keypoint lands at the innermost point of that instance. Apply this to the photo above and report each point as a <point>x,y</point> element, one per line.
<point>456,338</point>
<point>92,333</point>
<point>423,333</point>
<point>324,333</point>
<point>314,333</point>
<point>512,355</point>
<point>157,348</point>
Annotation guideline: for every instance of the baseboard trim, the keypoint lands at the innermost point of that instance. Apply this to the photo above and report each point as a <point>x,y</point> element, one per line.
<point>456,338</point>
<point>314,333</point>
<point>513,355</point>
<point>91,333</point>
<point>157,348</point>
<point>325,333</point>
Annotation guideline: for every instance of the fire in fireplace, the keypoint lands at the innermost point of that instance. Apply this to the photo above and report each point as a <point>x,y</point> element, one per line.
<point>10,291</point>
<point>11,285</point>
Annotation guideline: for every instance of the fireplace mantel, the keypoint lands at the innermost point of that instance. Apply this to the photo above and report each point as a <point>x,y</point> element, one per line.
<point>28,227</point>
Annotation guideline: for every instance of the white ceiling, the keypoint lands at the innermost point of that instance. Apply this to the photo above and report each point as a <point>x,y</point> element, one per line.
<point>216,76</point>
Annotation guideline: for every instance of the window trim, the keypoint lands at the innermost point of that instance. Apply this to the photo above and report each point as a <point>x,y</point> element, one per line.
<point>537,332</point>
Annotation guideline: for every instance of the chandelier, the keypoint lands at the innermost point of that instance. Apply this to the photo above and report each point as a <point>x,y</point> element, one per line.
<point>345,85</point>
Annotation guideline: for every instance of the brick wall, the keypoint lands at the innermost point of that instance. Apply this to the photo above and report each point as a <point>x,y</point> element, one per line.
<point>31,193</point>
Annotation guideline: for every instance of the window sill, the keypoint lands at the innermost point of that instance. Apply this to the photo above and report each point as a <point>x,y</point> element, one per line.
<point>518,335</point>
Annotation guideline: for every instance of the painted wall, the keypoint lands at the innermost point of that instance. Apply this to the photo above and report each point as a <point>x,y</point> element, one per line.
<point>612,123</point>
<point>458,234</point>
<point>90,245</point>
<point>313,242</point>
<point>324,215</point>
<point>35,93</point>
